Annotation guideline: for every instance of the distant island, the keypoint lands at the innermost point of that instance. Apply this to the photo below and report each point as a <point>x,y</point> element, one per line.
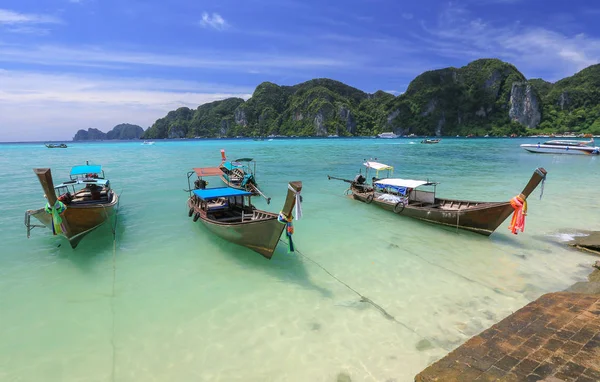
<point>122,131</point>
<point>485,97</point>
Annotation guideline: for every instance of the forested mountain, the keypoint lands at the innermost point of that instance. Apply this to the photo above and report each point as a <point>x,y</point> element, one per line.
<point>487,96</point>
<point>122,131</point>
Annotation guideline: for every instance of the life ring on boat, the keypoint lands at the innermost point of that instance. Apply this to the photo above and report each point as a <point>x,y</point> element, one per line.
<point>196,217</point>
<point>191,212</point>
<point>369,199</point>
<point>399,210</point>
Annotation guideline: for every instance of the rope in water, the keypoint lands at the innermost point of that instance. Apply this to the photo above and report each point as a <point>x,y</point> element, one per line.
<point>362,297</point>
<point>494,289</point>
<point>112,297</point>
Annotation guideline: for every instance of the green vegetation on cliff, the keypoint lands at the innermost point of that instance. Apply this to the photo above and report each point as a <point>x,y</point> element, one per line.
<point>122,131</point>
<point>573,103</point>
<point>470,100</point>
<point>487,96</point>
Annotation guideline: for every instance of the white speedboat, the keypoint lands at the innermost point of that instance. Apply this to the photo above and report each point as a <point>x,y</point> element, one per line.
<point>388,135</point>
<point>148,143</point>
<point>563,147</point>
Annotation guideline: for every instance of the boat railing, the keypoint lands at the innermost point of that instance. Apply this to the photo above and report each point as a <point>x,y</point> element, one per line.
<point>28,224</point>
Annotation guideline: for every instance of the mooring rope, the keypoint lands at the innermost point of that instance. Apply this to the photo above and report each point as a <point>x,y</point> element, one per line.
<point>112,298</point>
<point>364,298</point>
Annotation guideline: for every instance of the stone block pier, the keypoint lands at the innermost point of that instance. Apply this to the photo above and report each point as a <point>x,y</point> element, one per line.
<point>555,338</point>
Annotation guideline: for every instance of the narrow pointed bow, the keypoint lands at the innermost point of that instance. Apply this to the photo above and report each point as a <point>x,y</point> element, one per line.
<point>294,189</point>
<point>538,176</point>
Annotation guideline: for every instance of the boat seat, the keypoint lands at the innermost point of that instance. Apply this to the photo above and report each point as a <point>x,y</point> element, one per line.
<point>217,205</point>
<point>89,201</point>
<point>230,219</point>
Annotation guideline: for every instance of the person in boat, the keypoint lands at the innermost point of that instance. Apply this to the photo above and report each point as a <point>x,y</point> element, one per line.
<point>94,191</point>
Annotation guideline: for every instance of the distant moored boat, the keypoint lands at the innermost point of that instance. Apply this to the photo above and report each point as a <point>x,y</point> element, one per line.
<point>572,147</point>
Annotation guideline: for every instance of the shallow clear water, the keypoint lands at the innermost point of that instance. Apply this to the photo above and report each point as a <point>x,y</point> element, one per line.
<point>174,303</point>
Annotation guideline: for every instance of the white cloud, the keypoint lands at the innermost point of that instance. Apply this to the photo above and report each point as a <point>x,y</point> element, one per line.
<point>534,50</point>
<point>97,57</point>
<point>64,103</point>
<point>407,16</point>
<point>8,17</point>
<point>27,29</point>
<point>394,92</point>
<point>213,21</point>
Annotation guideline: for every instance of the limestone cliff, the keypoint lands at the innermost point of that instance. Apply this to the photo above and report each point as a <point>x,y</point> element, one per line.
<point>524,105</point>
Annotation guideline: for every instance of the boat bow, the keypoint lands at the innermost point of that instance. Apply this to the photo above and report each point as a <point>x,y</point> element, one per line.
<point>539,175</point>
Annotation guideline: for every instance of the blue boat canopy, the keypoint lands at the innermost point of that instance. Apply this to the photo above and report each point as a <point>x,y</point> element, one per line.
<point>220,192</point>
<point>86,169</point>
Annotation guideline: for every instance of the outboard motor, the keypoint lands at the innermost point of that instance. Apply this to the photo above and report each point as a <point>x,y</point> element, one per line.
<point>359,179</point>
<point>200,184</point>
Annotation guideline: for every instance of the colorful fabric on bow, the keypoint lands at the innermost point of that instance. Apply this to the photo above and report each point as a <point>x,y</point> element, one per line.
<point>519,204</point>
<point>289,229</point>
<point>56,211</point>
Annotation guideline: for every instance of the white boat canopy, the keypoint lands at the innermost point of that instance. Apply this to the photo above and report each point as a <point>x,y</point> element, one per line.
<point>397,182</point>
<point>378,166</point>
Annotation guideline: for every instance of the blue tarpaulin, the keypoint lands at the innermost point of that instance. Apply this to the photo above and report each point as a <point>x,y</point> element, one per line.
<point>86,169</point>
<point>220,192</point>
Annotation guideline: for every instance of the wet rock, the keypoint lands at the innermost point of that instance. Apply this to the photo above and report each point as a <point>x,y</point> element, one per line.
<point>590,243</point>
<point>585,287</point>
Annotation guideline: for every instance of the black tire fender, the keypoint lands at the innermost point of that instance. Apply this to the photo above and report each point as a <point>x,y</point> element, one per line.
<point>196,217</point>
<point>369,199</point>
<point>191,212</point>
<point>399,207</point>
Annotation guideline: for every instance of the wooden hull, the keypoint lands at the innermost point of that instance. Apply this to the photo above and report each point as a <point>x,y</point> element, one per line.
<point>250,187</point>
<point>480,217</point>
<point>261,236</point>
<point>79,220</point>
<point>259,230</point>
<point>235,185</point>
<point>483,219</point>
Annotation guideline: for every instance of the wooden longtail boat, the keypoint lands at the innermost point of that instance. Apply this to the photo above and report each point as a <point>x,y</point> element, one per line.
<point>241,174</point>
<point>404,197</point>
<point>85,202</point>
<point>431,141</point>
<point>56,146</point>
<point>228,212</point>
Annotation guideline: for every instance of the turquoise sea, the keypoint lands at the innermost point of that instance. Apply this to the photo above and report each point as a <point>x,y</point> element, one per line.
<point>169,302</point>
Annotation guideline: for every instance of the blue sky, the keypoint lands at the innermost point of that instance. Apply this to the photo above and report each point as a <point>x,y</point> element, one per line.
<point>71,64</point>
